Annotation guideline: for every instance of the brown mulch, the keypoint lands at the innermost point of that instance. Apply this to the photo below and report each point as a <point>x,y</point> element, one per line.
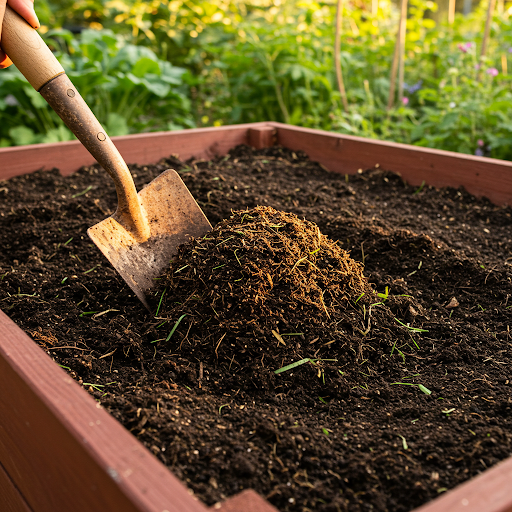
<point>336,342</point>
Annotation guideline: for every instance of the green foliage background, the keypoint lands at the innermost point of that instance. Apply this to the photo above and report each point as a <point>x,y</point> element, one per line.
<point>158,65</point>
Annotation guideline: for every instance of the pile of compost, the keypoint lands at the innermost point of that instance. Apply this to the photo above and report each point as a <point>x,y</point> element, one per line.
<point>335,342</point>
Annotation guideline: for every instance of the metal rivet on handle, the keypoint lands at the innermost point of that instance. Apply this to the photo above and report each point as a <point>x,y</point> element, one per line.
<point>101,136</point>
<point>70,93</point>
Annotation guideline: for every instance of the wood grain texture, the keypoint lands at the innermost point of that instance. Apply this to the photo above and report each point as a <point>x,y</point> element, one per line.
<point>28,51</point>
<point>63,451</point>
<point>480,176</point>
<point>488,492</point>
<point>262,137</point>
<point>10,498</point>
<point>340,153</point>
<point>246,501</point>
<point>145,148</point>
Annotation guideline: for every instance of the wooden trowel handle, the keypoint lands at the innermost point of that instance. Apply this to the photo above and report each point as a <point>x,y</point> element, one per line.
<point>37,63</point>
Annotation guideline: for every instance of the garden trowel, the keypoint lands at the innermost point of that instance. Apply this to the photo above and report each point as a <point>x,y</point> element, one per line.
<point>147,228</point>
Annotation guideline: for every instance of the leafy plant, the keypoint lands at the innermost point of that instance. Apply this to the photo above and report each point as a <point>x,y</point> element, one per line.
<point>128,88</point>
<point>251,60</point>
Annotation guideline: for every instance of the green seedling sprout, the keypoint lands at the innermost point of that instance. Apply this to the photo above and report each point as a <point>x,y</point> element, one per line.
<point>419,189</point>
<point>64,280</point>
<point>414,271</point>
<point>404,442</point>
<point>83,192</point>
<point>98,387</point>
<point>160,302</point>
<point>325,431</point>
<point>384,295</point>
<point>421,387</point>
<point>222,407</point>
<point>180,269</point>
<point>412,329</point>
<point>175,326</point>
<point>66,243</point>
<point>91,269</point>
<point>300,363</point>
<point>229,238</point>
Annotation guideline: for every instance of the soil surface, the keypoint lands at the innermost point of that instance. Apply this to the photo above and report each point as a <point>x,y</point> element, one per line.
<point>335,343</point>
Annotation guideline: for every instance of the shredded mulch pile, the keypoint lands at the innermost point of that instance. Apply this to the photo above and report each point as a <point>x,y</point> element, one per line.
<point>259,277</point>
<point>335,342</point>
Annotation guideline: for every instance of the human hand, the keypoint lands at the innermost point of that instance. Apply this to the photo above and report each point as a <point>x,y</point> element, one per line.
<point>25,8</point>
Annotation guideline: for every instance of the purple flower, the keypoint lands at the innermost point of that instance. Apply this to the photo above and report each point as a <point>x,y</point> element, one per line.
<point>465,47</point>
<point>492,71</point>
<point>510,49</point>
<point>415,87</point>
<point>405,101</point>
<point>479,152</point>
<point>480,142</point>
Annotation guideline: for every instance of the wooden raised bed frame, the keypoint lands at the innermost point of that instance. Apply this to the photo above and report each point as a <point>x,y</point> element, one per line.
<point>59,450</point>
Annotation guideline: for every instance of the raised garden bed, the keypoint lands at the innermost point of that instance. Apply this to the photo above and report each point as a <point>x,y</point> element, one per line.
<point>57,447</point>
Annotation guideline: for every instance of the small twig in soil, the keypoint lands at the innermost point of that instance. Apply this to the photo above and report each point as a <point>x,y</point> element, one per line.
<point>104,312</point>
<point>106,355</point>
<point>278,337</point>
<point>66,346</point>
<point>218,344</point>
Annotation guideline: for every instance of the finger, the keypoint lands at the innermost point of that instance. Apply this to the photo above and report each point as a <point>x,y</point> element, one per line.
<point>4,60</point>
<point>2,12</point>
<point>25,8</point>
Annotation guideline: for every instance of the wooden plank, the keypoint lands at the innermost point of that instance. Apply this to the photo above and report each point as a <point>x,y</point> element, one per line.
<point>10,498</point>
<point>144,148</point>
<point>246,501</point>
<point>262,136</point>
<point>62,450</point>
<point>480,176</point>
<point>59,448</point>
<point>488,492</point>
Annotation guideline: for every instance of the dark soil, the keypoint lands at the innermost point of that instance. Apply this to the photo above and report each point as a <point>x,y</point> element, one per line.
<point>401,329</point>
